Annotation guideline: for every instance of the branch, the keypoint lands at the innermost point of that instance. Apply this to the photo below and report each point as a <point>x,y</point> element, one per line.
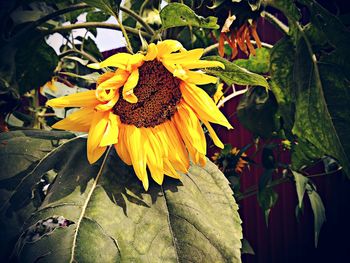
<point>80,52</point>
<point>138,19</point>
<point>94,25</point>
<point>274,20</point>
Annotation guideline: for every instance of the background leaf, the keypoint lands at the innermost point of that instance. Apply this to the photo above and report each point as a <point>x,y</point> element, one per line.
<point>20,151</point>
<point>176,14</point>
<point>233,74</point>
<point>319,212</point>
<point>258,63</point>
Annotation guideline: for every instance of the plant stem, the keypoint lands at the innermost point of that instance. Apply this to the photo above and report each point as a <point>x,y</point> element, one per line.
<point>92,25</point>
<point>138,19</point>
<point>128,44</point>
<point>47,18</point>
<point>274,20</point>
<point>80,52</point>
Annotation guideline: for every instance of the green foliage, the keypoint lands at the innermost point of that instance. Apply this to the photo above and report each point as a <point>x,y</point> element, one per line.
<point>34,68</point>
<point>259,63</point>
<point>109,217</point>
<point>233,74</point>
<point>20,151</point>
<point>109,6</point>
<point>256,111</point>
<point>176,14</point>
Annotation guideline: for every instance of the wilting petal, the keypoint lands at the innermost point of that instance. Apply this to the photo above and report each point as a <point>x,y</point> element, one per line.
<point>152,52</point>
<point>169,169</point>
<point>119,60</point>
<point>98,127</point>
<point>203,105</point>
<point>81,99</point>
<point>112,131</point>
<point>79,120</point>
<point>105,76</point>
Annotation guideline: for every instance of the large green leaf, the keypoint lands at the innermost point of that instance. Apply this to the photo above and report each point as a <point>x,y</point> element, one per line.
<point>233,74</point>
<point>313,122</point>
<point>35,63</point>
<point>101,213</point>
<point>176,14</point>
<point>300,182</point>
<point>20,151</point>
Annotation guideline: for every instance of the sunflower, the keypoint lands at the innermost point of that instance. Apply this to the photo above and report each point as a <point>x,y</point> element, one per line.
<point>149,109</point>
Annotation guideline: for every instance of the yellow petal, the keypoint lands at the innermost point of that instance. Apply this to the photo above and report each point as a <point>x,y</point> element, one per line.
<point>190,129</point>
<point>121,146</point>
<point>119,60</point>
<point>136,146</point>
<point>130,84</point>
<point>203,105</point>
<point>112,131</point>
<point>97,129</point>
<point>185,56</point>
<point>179,158</point>
<point>169,169</point>
<point>154,155</point>
<point>213,135</point>
<point>168,46</point>
<point>200,78</point>
<point>81,99</point>
<point>167,134</point>
<point>79,120</point>
<point>104,77</point>
<point>201,64</point>
<point>134,62</point>
<point>110,104</point>
<point>152,52</point>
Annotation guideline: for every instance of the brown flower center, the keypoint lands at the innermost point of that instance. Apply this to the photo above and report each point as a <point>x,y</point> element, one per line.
<point>158,94</point>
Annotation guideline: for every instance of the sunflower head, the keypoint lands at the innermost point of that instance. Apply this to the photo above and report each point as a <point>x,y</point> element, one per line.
<point>230,159</point>
<point>149,108</point>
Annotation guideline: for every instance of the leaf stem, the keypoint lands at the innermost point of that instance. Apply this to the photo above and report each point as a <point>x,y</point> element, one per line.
<point>80,52</point>
<point>138,19</point>
<point>94,25</point>
<point>274,20</point>
<point>128,44</point>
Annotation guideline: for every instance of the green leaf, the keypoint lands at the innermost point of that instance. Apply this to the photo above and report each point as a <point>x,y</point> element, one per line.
<point>267,197</point>
<point>20,151</point>
<point>282,83</point>
<point>313,122</point>
<point>176,14</point>
<point>247,248</point>
<point>300,182</point>
<point>260,63</point>
<point>233,74</point>
<point>91,78</point>
<point>35,63</point>
<point>256,111</point>
<point>109,6</point>
<point>319,213</point>
<point>112,219</point>
<point>97,16</point>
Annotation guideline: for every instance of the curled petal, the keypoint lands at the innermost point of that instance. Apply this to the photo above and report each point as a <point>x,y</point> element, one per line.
<point>111,133</point>
<point>81,99</point>
<point>152,52</point>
